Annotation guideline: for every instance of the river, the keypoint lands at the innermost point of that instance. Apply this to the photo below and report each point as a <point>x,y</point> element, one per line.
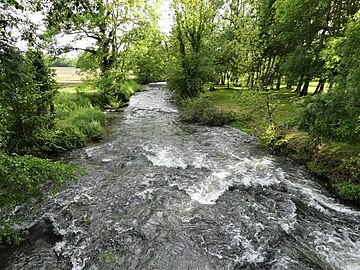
<point>161,194</point>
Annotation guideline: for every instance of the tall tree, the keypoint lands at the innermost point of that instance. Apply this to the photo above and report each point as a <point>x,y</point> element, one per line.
<point>109,26</point>
<point>26,82</point>
<point>335,115</point>
<point>192,56</point>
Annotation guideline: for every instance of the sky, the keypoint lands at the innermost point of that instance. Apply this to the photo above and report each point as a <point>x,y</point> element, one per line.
<point>166,21</point>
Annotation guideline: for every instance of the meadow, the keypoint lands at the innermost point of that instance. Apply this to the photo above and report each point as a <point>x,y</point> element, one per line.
<point>68,76</point>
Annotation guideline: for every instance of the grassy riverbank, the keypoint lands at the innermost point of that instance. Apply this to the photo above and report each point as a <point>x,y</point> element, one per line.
<point>337,164</point>
<point>76,120</point>
<point>27,178</point>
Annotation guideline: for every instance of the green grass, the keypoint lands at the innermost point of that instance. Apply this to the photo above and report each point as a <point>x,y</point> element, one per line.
<point>79,120</point>
<point>334,161</point>
<point>283,102</point>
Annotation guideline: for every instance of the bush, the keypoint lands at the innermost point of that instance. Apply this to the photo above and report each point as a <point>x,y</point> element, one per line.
<point>350,192</point>
<point>24,177</point>
<point>64,137</point>
<point>271,136</point>
<point>115,90</point>
<point>26,97</point>
<point>352,167</point>
<point>200,110</point>
<point>330,116</point>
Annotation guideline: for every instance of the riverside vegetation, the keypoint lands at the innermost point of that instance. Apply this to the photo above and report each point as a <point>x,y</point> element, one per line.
<point>336,163</point>
<point>74,118</point>
<point>259,45</point>
<point>252,45</point>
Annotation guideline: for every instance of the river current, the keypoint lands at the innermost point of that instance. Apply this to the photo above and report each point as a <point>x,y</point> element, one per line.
<point>161,194</point>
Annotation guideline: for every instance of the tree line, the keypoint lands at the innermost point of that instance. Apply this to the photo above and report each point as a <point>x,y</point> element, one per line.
<point>262,43</point>
<point>253,43</point>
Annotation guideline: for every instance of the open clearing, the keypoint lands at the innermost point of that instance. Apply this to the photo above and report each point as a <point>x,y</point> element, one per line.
<point>68,76</point>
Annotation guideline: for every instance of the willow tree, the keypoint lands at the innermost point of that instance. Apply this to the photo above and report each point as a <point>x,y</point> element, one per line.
<point>192,55</point>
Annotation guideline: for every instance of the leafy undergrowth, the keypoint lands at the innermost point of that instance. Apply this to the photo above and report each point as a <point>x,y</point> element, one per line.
<point>337,164</point>
<point>25,177</point>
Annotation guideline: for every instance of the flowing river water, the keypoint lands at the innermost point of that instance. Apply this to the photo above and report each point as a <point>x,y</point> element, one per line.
<point>161,194</point>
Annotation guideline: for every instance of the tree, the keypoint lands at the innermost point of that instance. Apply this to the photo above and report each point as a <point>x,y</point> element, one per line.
<point>148,56</point>
<point>335,115</point>
<point>26,82</point>
<point>110,26</point>
<point>304,27</point>
<point>192,56</point>
<point>26,97</point>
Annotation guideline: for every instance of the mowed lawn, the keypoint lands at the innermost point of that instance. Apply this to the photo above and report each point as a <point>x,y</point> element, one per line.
<point>68,76</point>
<point>283,101</point>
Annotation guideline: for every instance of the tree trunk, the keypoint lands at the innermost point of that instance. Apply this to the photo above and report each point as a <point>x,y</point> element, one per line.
<point>228,79</point>
<point>248,80</point>
<point>305,89</point>
<point>298,88</point>
<point>278,83</point>
<point>320,87</point>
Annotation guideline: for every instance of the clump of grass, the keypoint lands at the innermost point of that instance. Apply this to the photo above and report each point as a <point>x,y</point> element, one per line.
<point>200,110</point>
<point>77,122</point>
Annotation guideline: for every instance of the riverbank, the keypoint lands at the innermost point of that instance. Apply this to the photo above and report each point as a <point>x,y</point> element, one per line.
<point>78,120</point>
<point>336,164</point>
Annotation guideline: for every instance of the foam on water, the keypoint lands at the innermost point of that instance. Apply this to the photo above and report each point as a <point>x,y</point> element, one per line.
<point>338,247</point>
<point>165,157</point>
<point>211,188</point>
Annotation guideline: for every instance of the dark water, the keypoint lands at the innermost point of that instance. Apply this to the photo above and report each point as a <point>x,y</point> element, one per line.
<point>161,194</point>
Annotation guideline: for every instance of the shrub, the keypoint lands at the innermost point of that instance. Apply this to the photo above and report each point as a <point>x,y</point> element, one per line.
<point>330,116</point>
<point>270,137</point>
<point>352,167</point>
<point>63,137</point>
<point>200,110</point>
<point>115,90</point>
<point>347,191</point>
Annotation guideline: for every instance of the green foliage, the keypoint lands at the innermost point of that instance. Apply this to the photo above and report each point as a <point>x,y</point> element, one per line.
<point>87,62</point>
<point>335,115</point>
<point>115,91</point>
<point>23,178</point>
<point>64,62</point>
<point>347,191</point>
<point>352,167</point>
<point>329,116</point>
<point>271,136</point>
<point>254,107</point>
<point>200,110</point>
<point>77,122</point>
<point>148,56</point>
<point>191,62</point>
<point>28,89</point>
<point>111,33</point>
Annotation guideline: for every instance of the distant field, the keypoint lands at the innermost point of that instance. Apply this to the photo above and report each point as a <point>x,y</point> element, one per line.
<point>68,76</point>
